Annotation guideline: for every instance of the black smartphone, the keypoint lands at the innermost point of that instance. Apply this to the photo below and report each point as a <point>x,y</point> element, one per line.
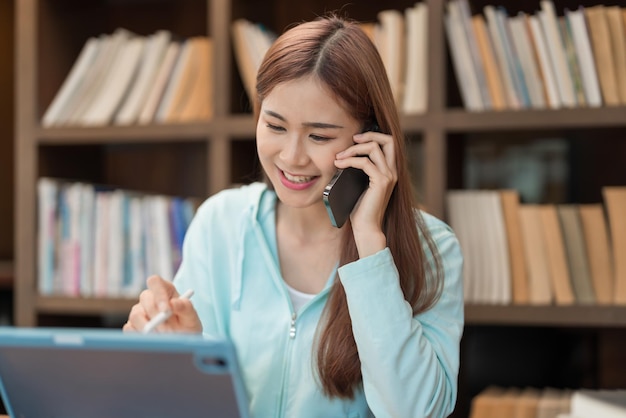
<point>344,190</point>
<point>342,193</point>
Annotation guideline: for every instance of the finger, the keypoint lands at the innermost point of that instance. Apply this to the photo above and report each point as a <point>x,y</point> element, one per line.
<point>163,291</point>
<point>147,301</point>
<point>137,319</point>
<point>353,156</point>
<point>186,315</point>
<point>385,142</point>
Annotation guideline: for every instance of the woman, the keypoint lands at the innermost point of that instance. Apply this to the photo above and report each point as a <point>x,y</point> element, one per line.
<point>358,321</point>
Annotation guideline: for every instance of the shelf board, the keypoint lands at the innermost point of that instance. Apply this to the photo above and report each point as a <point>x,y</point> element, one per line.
<point>124,134</point>
<point>415,123</point>
<point>586,118</point>
<point>6,274</point>
<point>560,316</point>
<point>83,306</point>
<point>241,125</point>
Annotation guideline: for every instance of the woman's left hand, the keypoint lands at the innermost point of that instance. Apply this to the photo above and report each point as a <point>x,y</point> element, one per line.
<point>381,167</point>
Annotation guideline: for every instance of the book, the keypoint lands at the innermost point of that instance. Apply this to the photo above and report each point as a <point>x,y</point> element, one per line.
<point>250,43</point>
<point>464,70</point>
<point>618,43</point>
<point>181,85</point>
<point>116,245</point>
<point>600,35</point>
<point>527,403</point>
<point>72,82</point>
<point>94,70</point>
<point>512,55</point>
<point>486,403</point>
<point>499,51</point>
<point>530,70</point>
<point>517,261</point>
<point>545,65</point>
<point>244,55</point>
<point>615,203</point>
<point>498,289</point>
<point>199,104</point>
<point>87,237</point>
<point>164,258</point>
<point>154,52</point>
<point>507,405</point>
<point>415,97</point>
<point>69,263</point>
<point>149,108</point>
<point>492,72</point>
<point>557,257</point>
<point>576,251</point>
<point>599,250</point>
<point>390,40</point>
<point>584,55</point>
<point>115,86</point>
<point>136,248</point>
<point>572,62</point>
<point>605,403</point>
<point>552,402</point>
<point>93,89</point>
<point>537,263</point>
<point>461,219</point>
<point>549,21</point>
<point>47,190</point>
<point>476,216</point>
<point>101,245</point>
<point>177,83</point>
<point>475,55</point>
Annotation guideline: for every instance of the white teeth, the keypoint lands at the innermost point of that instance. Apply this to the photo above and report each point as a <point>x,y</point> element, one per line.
<point>297,179</point>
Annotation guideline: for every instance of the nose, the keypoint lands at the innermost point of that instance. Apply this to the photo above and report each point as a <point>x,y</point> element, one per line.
<point>294,152</point>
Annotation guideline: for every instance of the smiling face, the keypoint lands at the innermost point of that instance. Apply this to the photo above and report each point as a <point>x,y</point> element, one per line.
<point>301,128</point>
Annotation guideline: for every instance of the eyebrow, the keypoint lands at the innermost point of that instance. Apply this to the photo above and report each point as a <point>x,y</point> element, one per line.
<point>318,125</point>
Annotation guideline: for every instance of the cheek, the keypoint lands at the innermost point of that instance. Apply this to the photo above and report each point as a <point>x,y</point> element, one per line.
<point>263,144</point>
<point>324,157</point>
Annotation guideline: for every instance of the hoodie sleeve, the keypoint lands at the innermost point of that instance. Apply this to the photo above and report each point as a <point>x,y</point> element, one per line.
<point>409,364</point>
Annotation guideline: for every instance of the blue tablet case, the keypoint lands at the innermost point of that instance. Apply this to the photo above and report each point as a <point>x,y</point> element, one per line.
<point>100,373</point>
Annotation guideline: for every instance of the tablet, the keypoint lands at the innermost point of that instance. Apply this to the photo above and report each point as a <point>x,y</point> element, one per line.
<point>102,373</point>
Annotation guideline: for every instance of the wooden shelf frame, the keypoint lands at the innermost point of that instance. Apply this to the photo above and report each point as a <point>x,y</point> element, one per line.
<point>576,316</point>
<point>606,316</point>
<point>7,274</point>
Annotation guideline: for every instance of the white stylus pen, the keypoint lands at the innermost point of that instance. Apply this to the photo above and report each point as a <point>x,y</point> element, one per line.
<point>163,316</point>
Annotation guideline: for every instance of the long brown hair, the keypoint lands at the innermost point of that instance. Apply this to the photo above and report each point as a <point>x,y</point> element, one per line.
<point>340,54</point>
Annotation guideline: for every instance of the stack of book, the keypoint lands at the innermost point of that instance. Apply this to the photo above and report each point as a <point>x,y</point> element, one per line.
<point>124,79</point>
<point>540,254</point>
<point>101,242</point>
<point>538,61</point>
<point>495,401</point>
<point>399,36</point>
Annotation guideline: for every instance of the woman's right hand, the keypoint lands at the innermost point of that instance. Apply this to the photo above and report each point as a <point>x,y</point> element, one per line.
<point>160,296</point>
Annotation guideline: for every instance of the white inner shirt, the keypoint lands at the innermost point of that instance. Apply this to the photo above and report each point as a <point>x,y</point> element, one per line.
<point>298,299</point>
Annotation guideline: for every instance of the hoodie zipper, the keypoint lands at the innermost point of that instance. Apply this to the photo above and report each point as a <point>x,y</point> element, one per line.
<point>287,362</point>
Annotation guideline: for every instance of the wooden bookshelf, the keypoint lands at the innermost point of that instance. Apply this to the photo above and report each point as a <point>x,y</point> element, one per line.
<point>547,316</point>
<point>50,34</point>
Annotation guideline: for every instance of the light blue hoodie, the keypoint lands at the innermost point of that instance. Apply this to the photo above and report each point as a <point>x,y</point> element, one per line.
<point>409,364</point>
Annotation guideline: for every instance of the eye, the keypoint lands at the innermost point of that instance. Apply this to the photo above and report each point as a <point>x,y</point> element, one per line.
<point>318,138</point>
<point>275,128</point>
